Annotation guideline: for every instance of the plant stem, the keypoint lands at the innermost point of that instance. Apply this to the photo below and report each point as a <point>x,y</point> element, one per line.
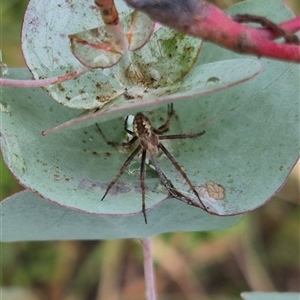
<point>110,17</point>
<point>148,269</point>
<point>206,21</point>
<point>43,82</point>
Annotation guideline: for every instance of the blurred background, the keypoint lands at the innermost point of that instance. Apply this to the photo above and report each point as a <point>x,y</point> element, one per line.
<point>261,253</point>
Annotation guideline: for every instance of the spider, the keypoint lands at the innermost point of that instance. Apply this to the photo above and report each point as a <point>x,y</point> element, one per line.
<point>150,141</point>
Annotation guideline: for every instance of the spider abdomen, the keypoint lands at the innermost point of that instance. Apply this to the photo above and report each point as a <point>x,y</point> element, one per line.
<point>144,131</point>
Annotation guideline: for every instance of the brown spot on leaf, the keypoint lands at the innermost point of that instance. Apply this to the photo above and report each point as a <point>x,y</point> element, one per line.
<point>212,190</point>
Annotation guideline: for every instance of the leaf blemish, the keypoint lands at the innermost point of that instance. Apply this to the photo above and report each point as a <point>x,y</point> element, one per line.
<point>212,191</point>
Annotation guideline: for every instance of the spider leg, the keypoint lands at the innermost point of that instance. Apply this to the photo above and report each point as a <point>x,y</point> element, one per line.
<point>142,180</point>
<point>168,184</point>
<point>181,171</point>
<point>181,136</point>
<point>126,129</point>
<point>165,127</point>
<point>125,165</point>
<point>114,144</point>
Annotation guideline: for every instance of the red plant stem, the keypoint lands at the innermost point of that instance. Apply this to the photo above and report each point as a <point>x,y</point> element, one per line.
<point>110,17</point>
<point>43,82</point>
<point>201,19</point>
<point>108,11</point>
<point>217,27</point>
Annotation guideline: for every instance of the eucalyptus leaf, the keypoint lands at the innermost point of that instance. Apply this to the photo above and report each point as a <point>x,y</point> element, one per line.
<point>103,47</point>
<point>250,145</point>
<point>274,95</point>
<point>47,51</point>
<point>93,49</point>
<point>202,80</point>
<point>140,30</point>
<point>25,216</point>
<point>270,296</point>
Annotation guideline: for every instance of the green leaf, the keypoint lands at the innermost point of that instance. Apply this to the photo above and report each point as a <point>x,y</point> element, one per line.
<point>76,165</point>
<point>47,52</point>
<point>250,145</point>
<point>25,216</point>
<point>270,296</point>
<point>202,80</point>
<point>98,48</point>
<point>140,30</point>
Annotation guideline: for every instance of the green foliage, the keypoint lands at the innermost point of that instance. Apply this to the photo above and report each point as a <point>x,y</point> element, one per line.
<point>73,168</point>
<point>270,296</point>
<point>278,221</point>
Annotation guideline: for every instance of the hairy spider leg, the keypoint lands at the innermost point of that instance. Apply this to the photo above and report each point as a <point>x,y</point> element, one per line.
<point>123,168</point>
<point>168,184</point>
<point>165,127</point>
<point>114,144</point>
<point>126,164</point>
<point>142,181</point>
<point>175,163</point>
<point>128,160</point>
<point>181,136</point>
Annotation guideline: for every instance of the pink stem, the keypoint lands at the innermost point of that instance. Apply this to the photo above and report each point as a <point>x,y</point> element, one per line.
<point>206,21</point>
<point>219,28</point>
<point>42,82</point>
<point>148,269</point>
